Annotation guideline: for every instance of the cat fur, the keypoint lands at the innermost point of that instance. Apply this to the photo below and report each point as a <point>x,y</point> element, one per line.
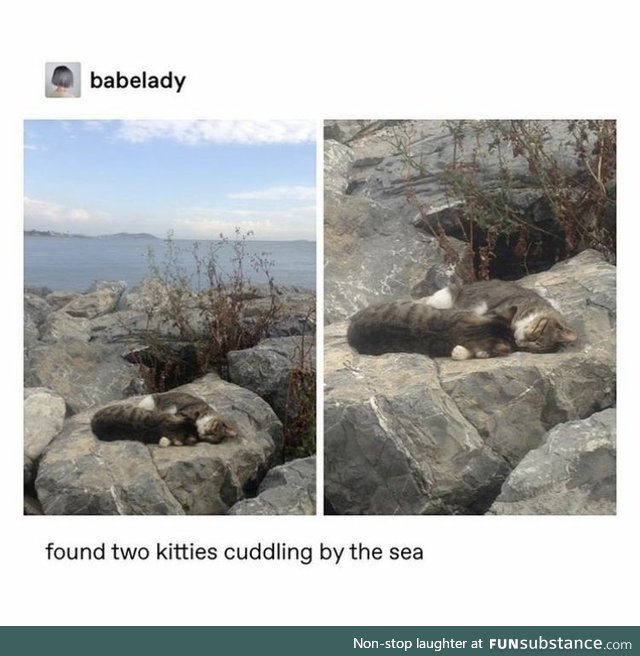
<point>536,324</point>
<point>412,327</point>
<point>171,418</point>
<point>210,427</point>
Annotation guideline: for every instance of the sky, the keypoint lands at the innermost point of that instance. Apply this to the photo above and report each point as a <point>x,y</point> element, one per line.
<point>195,178</point>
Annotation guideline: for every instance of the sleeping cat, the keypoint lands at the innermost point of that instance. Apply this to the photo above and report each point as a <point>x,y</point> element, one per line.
<point>412,327</point>
<point>209,426</point>
<point>172,418</point>
<point>130,422</point>
<point>537,326</point>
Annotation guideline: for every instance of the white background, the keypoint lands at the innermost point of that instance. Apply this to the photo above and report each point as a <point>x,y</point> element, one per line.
<point>317,60</point>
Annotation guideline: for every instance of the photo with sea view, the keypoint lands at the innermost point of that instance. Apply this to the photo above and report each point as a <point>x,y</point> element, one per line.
<point>169,317</point>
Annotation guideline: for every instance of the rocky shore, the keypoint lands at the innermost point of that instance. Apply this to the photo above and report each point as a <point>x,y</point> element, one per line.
<point>407,434</point>
<point>78,350</point>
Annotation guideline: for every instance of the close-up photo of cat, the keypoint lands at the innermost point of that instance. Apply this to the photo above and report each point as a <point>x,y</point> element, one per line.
<point>470,317</point>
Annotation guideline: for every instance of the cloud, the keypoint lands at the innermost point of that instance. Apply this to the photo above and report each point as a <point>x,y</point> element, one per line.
<point>192,133</point>
<point>306,213</point>
<point>43,213</point>
<point>203,223</point>
<point>276,193</point>
<point>95,125</point>
<point>69,129</point>
<point>262,230</point>
<point>34,147</point>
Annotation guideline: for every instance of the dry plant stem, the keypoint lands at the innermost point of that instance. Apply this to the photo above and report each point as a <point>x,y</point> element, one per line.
<point>579,201</point>
<point>204,312</point>
<point>300,404</point>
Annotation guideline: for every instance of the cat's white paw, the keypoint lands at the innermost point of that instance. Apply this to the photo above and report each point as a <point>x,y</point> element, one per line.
<point>482,354</point>
<point>460,353</point>
<point>164,441</point>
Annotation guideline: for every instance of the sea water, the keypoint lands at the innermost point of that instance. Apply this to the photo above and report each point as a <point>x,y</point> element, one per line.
<point>73,263</point>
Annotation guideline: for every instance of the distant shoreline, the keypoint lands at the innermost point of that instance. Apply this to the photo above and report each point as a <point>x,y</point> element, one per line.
<point>67,235</point>
<point>143,235</point>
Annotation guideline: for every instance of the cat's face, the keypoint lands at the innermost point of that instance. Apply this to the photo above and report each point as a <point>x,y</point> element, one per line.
<point>213,429</point>
<point>542,333</point>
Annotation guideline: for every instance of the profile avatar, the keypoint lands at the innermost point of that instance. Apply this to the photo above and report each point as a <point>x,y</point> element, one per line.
<point>63,81</point>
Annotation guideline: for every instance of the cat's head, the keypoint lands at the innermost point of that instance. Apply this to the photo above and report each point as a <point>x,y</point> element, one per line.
<point>542,332</point>
<point>213,429</point>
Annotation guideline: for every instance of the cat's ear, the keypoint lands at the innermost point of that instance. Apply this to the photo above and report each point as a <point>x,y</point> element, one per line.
<point>566,335</point>
<point>229,431</point>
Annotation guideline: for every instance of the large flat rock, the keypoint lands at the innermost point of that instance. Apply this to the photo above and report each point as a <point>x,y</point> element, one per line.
<point>408,434</point>
<point>79,474</point>
<point>572,473</point>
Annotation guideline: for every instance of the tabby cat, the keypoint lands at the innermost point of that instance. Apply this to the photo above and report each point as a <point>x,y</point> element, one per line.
<point>171,418</point>
<point>537,326</point>
<point>413,327</point>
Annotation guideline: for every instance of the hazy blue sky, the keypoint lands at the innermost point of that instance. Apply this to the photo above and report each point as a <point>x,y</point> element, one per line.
<point>197,178</point>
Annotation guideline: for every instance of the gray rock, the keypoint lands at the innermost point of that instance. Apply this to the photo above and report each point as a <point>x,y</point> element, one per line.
<point>343,131</point>
<point>338,159</point>
<point>395,443</point>
<point>122,326</point>
<point>351,131</point>
<point>29,470</point>
<point>31,506</point>
<point>58,299</point>
<point>44,413</point>
<point>84,373</point>
<point>296,311</point>
<point>383,170</point>
<point>372,255</point>
<point>288,489</point>
<point>102,298</point>
<point>572,473</point>
<point>36,310</point>
<point>151,293</point>
<point>78,474</point>
<point>407,434</point>
<point>31,334</point>
<point>148,307</point>
<point>72,359</point>
<point>37,290</point>
<point>62,327</point>
<point>513,401</point>
<point>266,368</point>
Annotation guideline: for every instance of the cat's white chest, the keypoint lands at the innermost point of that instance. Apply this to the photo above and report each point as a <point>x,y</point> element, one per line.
<point>441,300</point>
<point>147,403</point>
